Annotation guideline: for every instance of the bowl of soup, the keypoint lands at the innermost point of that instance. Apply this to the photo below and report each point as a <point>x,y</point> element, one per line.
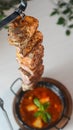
<point>46,107</point>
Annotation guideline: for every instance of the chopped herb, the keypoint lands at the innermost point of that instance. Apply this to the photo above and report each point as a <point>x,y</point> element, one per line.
<point>46,105</point>
<point>36,102</point>
<point>42,110</point>
<point>46,117</point>
<point>38,113</point>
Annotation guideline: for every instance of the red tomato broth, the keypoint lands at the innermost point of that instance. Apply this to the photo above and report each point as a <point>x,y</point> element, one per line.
<point>55,108</point>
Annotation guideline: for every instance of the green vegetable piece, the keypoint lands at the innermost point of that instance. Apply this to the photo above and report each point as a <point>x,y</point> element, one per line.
<point>37,102</point>
<point>41,107</point>
<point>42,110</point>
<point>46,105</point>
<point>38,113</point>
<point>46,117</point>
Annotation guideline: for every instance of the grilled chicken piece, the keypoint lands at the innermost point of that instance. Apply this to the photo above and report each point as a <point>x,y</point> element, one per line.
<point>24,49</point>
<point>28,87</point>
<point>31,71</point>
<point>33,58</point>
<point>21,30</point>
<point>28,78</point>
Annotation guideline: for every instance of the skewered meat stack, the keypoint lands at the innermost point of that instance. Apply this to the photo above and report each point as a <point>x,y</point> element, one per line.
<point>25,36</point>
